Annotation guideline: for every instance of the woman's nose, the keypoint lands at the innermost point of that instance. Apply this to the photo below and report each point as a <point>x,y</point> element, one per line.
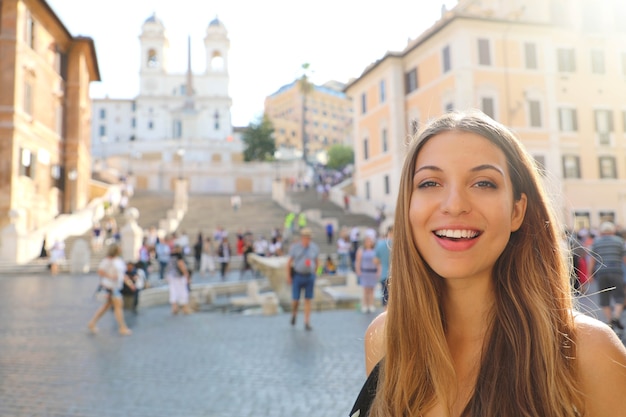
<point>456,201</point>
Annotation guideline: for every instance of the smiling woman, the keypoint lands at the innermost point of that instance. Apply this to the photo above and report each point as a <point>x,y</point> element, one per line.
<point>480,320</point>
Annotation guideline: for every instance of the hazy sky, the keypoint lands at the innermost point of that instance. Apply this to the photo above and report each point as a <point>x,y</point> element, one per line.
<point>269,40</point>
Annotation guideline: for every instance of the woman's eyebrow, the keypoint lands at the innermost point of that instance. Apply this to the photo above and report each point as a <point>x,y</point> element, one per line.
<point>487,167</point>
<point>428,167</point>
<point>475,169</point>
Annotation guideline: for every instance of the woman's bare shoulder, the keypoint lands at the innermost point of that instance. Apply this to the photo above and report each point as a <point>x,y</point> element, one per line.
<point>375,342</point>
<point>601,360</point>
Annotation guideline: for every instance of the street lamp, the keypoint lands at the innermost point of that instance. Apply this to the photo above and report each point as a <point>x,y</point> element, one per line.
<point>103,141</point>
<point>277,156</point>
<point>72,175</point>
<point>181,153</point>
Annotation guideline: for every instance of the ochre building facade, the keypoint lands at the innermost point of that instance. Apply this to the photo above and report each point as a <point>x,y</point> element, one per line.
<point>552,70</point>
<point>45,114</point>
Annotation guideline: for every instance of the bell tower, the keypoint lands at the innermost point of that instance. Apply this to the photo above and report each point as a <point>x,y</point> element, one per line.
<point>217,44</point>
<point>154,50</point>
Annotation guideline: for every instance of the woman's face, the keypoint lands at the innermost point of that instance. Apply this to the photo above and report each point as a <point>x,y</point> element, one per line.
<point>462,210</point>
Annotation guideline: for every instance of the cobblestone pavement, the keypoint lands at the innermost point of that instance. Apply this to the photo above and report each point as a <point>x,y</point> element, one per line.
<point>205,364</point>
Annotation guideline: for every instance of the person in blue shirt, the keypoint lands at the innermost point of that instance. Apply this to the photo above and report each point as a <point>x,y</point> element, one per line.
<point>382,251</point>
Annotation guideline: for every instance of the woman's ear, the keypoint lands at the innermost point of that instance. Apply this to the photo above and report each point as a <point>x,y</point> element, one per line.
<point>519,211</point>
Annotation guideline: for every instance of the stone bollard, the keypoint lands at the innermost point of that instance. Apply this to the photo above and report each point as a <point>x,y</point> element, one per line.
<point>269,304</point>
<point>80,256</point>
<point>131,236</point>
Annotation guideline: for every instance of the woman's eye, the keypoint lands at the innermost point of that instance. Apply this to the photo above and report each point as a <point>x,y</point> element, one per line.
<point>427,184</point>
<point>486,184</point>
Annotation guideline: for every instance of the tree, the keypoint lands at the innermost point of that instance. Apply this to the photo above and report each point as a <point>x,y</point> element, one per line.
<point>339,156</point>
<point>258,140</point>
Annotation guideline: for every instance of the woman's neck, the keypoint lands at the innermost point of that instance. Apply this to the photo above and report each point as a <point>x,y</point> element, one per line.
<point>467,307</point>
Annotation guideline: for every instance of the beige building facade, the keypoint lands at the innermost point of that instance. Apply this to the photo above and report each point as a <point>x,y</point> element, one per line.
<point>45,115</point>
<point>327,116</point>
<point>554,71</point>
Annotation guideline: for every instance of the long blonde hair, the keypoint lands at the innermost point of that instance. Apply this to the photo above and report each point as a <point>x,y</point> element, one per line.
<point>527,367</point>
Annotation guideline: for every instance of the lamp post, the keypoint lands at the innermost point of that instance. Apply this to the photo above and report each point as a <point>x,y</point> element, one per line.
<point>103,141</point>
<point>72,175</point>
<point>181,153</point>
<point>277,156</point>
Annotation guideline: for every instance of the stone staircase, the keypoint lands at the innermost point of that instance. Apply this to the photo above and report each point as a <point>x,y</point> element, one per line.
<point>258,214</point>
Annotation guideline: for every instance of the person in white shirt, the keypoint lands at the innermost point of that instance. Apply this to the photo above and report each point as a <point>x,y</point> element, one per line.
<point>112,272</point>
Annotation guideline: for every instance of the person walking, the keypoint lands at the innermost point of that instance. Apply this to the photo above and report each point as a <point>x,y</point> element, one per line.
<point>367,271</point>
<point>162,252</point>
<point>343,251</point>
<point>223,256</point>
<point>301,270</point>
<point>382,251</point>
<point>606,266</point>
<point>330,233</point>
<point>207,263</point>
<point>57,256</point>
<point>112,271</point>
<point>177,275</point>
<point>302,220</point>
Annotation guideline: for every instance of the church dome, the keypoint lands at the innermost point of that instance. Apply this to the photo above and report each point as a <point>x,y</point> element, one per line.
<point>215,22</point>
<point>153,20</point>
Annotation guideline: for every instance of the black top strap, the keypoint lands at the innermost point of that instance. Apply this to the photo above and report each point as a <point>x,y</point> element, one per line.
<point>363,402</point>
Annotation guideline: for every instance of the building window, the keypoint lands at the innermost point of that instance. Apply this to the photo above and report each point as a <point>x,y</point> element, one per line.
<point>597,61</point>
<point>607,167</point>
<point>591,16</point>
<point>58,119</point>
<point>619,12</point>
<point>383,136</point>
<point>582,220</point>
<point>414,126</point>
<point>540,164</point>
<point>133,122</point>
<point>530,55</point>
<point>363,103</point>
<point>487,106</point>
<point>133,106</point>
<point>177,129</point>
<point>382,92</point>
<point>27,163</point>
<point>216,120</point>
<point>604,125</point>
<point>150,125</point>
<point>387,187</point>
<point>568,120</point>
<point>152,60</point>
<point>58,57</point>
<point>365,149</point>
<point>410,81</point>
<point>449,107</point>
<point>367,190</point>
<point>28,98</point>
<point>445,56</point>
<point>103,113</point>
<point>560,13</point>
<point>571,166</point>
<point>29,35</point>
<point>534,110</point>
<point>56,175</point>
<point>484,53</point>
<point>566,60</point>
<point>102,130</point>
